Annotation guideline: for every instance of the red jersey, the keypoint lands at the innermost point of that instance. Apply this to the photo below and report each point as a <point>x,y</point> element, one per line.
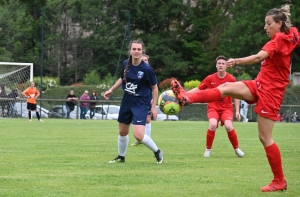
<point>269,86</point>
<point>275,69</point>
<point>213,81</point>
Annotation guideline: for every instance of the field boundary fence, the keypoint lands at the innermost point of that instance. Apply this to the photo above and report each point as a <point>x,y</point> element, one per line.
<point>194,112</point>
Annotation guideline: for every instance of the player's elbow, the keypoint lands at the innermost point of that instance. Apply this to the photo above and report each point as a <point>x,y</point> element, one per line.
<point>257,59</point>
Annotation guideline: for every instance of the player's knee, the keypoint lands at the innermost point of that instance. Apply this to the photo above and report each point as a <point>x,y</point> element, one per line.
<point>212,127</point>
<point>262,139</point>
<point>228,127</point>
<point>139,136</point>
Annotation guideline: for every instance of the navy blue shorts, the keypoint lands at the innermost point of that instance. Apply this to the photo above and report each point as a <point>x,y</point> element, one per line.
<point>134,109</point>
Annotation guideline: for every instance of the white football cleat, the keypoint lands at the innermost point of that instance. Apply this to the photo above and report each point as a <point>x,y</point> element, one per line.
<point>239,152</point>
<point>207,153</point>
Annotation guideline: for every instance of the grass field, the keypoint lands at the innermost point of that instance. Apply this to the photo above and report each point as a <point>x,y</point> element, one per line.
<point>70,158</point>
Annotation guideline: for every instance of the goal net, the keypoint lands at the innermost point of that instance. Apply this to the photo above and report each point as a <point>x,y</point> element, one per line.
<point>13,77</point>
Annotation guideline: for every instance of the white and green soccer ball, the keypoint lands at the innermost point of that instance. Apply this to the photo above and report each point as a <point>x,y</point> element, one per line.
<point>168,103</point>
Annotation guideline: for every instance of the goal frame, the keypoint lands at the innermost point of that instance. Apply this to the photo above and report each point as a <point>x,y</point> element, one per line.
<point>21,64</point>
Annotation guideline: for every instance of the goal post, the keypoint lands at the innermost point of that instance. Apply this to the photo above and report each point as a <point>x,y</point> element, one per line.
<point>14,78</point>
<point>14,75</point>
<point>20,65</point>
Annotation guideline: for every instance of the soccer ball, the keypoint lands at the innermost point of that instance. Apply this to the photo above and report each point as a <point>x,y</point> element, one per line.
<point>168,103</point>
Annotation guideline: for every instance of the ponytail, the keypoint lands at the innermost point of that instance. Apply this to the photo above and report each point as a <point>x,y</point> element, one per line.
<point>127,67</point>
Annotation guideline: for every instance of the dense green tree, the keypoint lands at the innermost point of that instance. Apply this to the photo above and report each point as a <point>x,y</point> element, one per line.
<point>17,40</point>
<point>183,38</point>
<point>202,25</point>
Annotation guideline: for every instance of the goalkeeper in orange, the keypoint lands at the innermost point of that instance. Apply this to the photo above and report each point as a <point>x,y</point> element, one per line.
<point>32,93</point>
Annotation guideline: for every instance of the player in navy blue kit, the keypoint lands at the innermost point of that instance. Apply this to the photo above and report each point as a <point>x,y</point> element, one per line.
<point>145,58</point>
<point>139,83</point>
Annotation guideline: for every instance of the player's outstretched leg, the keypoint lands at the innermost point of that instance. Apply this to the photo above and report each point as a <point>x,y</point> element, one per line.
<point>180,93</point>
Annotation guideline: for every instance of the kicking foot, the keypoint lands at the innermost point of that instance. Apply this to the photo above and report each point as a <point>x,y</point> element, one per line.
<point>180,93</point>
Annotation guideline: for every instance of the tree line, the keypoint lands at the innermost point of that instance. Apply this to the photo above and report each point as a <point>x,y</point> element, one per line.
<point>182,37</point>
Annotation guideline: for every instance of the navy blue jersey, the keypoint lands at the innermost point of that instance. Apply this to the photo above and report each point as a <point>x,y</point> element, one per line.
<point>139,79</point>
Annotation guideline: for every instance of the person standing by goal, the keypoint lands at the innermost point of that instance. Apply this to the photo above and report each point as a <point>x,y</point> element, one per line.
<point>32,93</point>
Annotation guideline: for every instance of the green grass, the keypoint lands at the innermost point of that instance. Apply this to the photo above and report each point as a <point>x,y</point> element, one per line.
<point>70,158</point>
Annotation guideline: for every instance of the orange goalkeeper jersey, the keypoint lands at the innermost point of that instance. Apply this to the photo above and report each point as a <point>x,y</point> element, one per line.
<point>31,93</point>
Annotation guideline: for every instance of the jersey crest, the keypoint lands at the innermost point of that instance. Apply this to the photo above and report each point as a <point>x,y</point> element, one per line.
<point>140,74</point>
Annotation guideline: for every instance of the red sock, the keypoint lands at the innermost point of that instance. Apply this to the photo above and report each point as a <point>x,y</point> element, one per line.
<point>233,139</point>
<point>274,158</point>
<point>205,96</point>
<point>210,136</point>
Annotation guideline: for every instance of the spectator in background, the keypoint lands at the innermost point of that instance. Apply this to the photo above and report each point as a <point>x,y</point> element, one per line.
<point>3,103</point>
<point>13,96</point>
<point>287,116</point>
<point>294,117</point>
<point>244,110</point>
<point>84,105</point>
<point>279,117</point>
<point>93,104</point>
<point>70,104</point>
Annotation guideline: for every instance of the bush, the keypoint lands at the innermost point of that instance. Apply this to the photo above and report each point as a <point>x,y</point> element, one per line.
<point>91,78</point>
<point>108,80</point>
<point>191,84</point>
<point>244,76</point>
<point>48,83</point>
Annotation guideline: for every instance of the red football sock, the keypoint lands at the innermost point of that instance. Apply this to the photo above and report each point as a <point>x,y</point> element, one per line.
<point>233,139</point>
<point>205,96</point>
<point>274,158</point>
<point>210,136</point>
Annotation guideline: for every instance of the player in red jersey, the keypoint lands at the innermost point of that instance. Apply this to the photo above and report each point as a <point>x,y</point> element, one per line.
<point>32,93</point>
<point>266,90</point>
<point>221,109</point>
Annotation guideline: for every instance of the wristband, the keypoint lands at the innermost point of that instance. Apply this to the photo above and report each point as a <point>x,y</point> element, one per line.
<point>234,62</point>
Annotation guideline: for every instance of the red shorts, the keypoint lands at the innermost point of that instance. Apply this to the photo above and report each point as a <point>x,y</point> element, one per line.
<point>220,115</point>
<point>267,101</point>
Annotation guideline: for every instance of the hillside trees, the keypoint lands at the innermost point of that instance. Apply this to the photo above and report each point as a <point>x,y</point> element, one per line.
<point>182,37</point>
